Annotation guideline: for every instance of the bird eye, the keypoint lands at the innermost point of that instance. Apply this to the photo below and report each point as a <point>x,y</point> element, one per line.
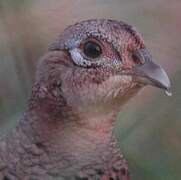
<point>92,49</point>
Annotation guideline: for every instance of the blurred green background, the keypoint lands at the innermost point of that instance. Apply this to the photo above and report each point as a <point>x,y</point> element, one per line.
<point>148,127</point>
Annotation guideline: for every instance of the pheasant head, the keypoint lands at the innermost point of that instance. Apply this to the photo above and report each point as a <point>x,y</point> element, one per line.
<point>96,65</point>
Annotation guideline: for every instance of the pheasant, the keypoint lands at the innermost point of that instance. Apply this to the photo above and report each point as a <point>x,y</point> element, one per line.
<point>83,79</point>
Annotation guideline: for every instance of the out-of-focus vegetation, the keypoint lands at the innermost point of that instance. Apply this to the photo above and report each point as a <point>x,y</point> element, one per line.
<point>148,127</point>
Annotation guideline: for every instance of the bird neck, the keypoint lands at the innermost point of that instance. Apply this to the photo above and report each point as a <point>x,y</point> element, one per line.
<point>63,143</point>
<point>71,133</point>
<point>72,144</point>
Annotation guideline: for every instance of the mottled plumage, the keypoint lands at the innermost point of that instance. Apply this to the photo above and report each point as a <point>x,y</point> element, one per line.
<point>86,75</point>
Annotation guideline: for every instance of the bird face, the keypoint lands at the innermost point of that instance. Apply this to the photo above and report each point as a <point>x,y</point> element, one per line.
<point>102,63</point>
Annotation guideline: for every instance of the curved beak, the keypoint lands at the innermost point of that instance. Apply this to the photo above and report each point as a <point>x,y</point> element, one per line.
<point>148,72</point>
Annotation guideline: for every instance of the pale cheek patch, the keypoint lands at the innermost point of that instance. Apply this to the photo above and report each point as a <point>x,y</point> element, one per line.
<point>98,97</point>
<point>113,87</point>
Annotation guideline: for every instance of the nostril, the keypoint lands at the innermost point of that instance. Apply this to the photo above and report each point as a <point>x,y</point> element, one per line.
<point>137,60</point>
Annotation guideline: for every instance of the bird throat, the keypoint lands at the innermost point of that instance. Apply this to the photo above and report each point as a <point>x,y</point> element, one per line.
<point>76,145</point>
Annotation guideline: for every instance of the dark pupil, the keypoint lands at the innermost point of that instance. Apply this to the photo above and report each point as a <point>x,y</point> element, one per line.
<point>92,49</point>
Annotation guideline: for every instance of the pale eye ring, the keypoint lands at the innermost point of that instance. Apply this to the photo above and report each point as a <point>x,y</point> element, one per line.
<point>92,49</point>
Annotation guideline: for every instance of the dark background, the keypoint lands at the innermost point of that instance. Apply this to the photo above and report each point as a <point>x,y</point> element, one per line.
<point>148,127</point>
